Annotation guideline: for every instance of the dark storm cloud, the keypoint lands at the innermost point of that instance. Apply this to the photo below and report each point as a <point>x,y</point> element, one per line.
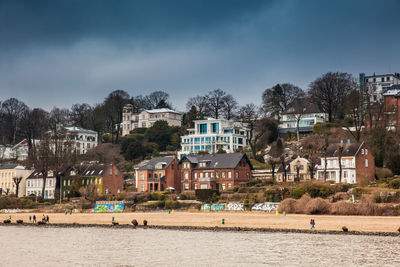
<point>64,52</point>
<point>57,22</point>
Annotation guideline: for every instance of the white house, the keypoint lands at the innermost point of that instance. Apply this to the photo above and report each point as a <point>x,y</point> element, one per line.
<point>84,139</point>
<point>375,84</point>
<point>147,118</point>
<point>302,111</point>
<point>34,184</point>
<point>213,134</point>
<point>7,174</point>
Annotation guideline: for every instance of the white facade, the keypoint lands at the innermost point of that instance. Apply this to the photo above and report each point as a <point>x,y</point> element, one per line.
<point>34,185</point>
<point>84,139</point>
<point>7,174</point>
<point>306,122</point>
<point>147,118</point>
<point>213,134</point>
<point>375,84</point>
<point>332,169</point>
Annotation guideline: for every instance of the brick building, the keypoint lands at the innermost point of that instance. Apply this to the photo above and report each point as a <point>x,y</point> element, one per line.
<point>158,174</point>
<point>357,163</point>
<point>214,171</point>
<point>106,177</point>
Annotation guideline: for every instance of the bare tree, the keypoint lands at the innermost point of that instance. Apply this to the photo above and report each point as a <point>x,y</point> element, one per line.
<point>13,110</point>
<point>34,125</point>
<point>330,90</point>
<point>274,156</point>
<point>276,99</point>
<point>113,105</point>
<point>158,99</point>
<point>340,149</point>
<point>217,101</point>
<point>17,181</point>
<point>79,114</point>
<point>230,107</point>
<point>354,121</point>
<point>201,105</point>
<point>59,117</point>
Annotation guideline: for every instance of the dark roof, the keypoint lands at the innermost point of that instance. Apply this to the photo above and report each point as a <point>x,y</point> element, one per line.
<point>301,105</point>
<point>90,170</point>
<point>7,166</point>
<point>38,175</point>
<point>216,161</point>
<point>162,162</point>
<point>348,149</point>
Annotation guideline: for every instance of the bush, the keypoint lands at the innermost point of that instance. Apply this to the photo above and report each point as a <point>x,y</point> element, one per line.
<point>20,221</point>
<point>159,195</point>
<point>317,206</point>
<point>7,221</point>
<point>188,195</point>
<point>298,192</point>
<point>383,173</point>
<point>345,208</point>
<point>394,184</point>
<point>287,205</point>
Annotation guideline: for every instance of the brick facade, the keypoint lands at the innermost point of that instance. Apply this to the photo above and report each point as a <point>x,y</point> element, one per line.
<point>365,165</point>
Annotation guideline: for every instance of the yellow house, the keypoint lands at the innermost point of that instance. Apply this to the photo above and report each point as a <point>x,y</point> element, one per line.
<point>7,174</point>
<point>296,170</point>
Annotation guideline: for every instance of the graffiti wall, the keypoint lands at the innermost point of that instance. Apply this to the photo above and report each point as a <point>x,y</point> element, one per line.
<point>235,207</point>
<point>267,206</point>
<point>109,206</point>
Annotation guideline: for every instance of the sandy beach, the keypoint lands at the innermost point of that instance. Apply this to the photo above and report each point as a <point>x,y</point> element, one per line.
<point>232,219</point>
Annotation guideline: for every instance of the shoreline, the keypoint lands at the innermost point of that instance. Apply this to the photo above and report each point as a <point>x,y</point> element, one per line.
<point>200,228</point>
<point>221,221</point>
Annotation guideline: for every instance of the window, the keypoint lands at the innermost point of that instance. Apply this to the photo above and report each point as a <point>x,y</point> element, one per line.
<point>201,175</point>
<point>344,174</point>
<point>195,186</point>
<point>237,175</point>
<point>362,151</point>
<point>142,176</point>
<point>229,185</point>
<point>186,186</point>
<point>366,163</point>
<point>203,128</point>
<point>248,175</point>
<point>366,151</point>
<point>223,174</point>
<point>215,127</point>
<point>142,187</point>
<point>110,171</point>
<point>186,175</point>
<point>116,172</point>
<point>195,175</point>
<point>229,175</point>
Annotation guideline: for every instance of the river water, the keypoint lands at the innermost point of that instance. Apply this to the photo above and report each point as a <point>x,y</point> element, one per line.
<point>36,246</point>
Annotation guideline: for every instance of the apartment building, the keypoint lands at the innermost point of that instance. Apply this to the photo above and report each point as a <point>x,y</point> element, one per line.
<point>7,174</point>
<point>375,84</point>
<point>83,139</point>
<point>158,174</point>
<point>214,171</point>
<point>357,163</point>
<point>212,135</point>
<point>34,184</point>
<point>147,118</point>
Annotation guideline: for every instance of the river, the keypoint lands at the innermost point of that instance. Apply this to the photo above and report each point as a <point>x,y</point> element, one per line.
<point>36,246</point>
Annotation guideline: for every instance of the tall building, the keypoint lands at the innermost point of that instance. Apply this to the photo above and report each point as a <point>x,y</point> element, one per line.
<point>84,139</point>
<point>374,84</point>
<point>147,118</point>
<point>213,134</point>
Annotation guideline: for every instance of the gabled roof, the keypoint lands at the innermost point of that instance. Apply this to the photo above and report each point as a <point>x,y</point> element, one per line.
<point>91,170</point>
<point>216,161</point>
<point>8,166</point>
<point>160,162</point>
<point>38,175</point>
<point>349,150</point>
<point>301,105</point>
<point>78,129</point>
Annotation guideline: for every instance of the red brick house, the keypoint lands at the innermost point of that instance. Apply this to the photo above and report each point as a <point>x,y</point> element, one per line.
<point>214,171</point>
<point>357,163</point>
<point>158,174</point>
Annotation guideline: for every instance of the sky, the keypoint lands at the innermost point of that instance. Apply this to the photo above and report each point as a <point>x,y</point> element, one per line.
<point>59,53</point>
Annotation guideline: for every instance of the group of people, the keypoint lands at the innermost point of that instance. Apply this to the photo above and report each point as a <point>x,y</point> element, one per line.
<point>312,223</point>
<point>45,219</point>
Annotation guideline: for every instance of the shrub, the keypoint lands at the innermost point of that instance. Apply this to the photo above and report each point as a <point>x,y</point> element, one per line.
<point>7,221</point>
<point>345,229</point>
<point>317,206</point>
<point>188,195</point>
<point>287,205</point>
<point>298,192</point>
<point>394,184</point>
<point>383,173</point>
<point>343,187</point>
<point>159,195</point>
<point>300,204</point>
<point>340,196</point>
<point>345,208</point>
<point>20,221</point>
<point>135,222</point>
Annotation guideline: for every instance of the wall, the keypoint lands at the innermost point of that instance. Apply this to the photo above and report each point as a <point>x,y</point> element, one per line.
<point>113,182</point>
<point>364,173</point>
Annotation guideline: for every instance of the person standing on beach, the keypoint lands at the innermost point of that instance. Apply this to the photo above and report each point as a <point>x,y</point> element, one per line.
<point>311,224</point>
<point>47,218</point>
<point>30,218</point>
<point>34,218</point>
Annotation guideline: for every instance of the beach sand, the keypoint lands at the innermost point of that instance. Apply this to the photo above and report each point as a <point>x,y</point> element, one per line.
<point>232,219</point>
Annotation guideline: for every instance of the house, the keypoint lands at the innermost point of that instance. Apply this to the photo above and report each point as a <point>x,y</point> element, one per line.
<point>357,163</point>
<point>158,174</point>
<point>34,184</point>
<point>302,112</point>
<point>296,170</point>
<point>212,135</point>
<point>106,177</point>
<point>7,174</point>
<point>83,139</point>
<point>214,171</point>
<point>146,118</point>
<point>17,152</point>
<point>374,85</point>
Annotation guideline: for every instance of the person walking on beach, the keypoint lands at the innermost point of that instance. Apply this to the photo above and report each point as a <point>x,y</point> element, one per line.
<point>30,218</point>
<point>43,218</point>
<point>47,218</point>
<point>34,218</point>
<point>311,224</point>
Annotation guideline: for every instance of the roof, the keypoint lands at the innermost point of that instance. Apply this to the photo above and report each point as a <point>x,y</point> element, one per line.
<point>158,163</point>
<point>380,75</point>
<point>391,90</point>
<point>38,175</point>
<point>78,129</point>
<point>91,170</point>
<point>301,105</point>
<point>216,161</point>
<point>348,149</point>
<point>8,166</point>
<point>162,110</point>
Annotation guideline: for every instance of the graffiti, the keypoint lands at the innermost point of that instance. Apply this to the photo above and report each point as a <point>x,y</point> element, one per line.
<point>108,208</point>
<point>206,207</point>
<point>267,206</point>
<point>235,207</point>
<point>218,207</point>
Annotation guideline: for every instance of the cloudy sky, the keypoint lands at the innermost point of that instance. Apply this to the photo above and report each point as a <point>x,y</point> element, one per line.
<point>57,53</point>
